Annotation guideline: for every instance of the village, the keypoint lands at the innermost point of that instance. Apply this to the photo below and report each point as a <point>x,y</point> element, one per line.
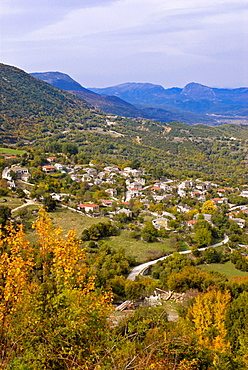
<point>117,190</point>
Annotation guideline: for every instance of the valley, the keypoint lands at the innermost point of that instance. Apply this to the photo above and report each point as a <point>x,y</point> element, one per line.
<point>86,196</point>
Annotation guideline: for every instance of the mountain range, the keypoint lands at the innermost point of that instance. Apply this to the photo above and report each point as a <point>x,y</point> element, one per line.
<point>108,104</point>
<point>195,103</point>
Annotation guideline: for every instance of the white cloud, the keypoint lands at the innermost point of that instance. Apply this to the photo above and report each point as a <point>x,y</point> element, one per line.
<point>128,37</point>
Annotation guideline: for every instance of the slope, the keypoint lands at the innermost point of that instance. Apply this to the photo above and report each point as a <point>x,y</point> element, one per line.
<point>108,104</point>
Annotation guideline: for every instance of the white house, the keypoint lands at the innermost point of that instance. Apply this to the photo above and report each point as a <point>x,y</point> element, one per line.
<point>244,193</point>
<point>89,207</point>
<point>49,169</point>
<point>21,173</point>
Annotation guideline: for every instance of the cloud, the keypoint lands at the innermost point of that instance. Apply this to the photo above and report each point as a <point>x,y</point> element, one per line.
<point>21,17</point>
<point>120,39</point>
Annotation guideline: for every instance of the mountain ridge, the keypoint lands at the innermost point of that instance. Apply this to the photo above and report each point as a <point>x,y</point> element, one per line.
<point>193,98</point>
<point>193,104</point>
<point>109,104</point>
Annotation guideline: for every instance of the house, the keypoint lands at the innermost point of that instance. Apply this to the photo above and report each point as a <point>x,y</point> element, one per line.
<point>204,186</point>
<point>164,186</point>
<point>181,193</point>
<point>161,222</point>
<point>195,194</point>
<point>91,171</point>
<point>59,167</point>
<point>110,169</point>
<point>21,173</point>
<point>244,193</point>
<point>111,192</point>
<point>132,193</point>
<point>183,208</point>
<point>168,214</point>
<point>239,221</point>
<point>51,159</point>
<point>126,211</point>
<point>10,157</point>
<point>98,182</point>
<point>160,198</point>
<point>134,185</point>
<point>156,188</point>
<point>107,202</point>
<point>202,198</point>
<point>187,184</point>
<point>125,173</point>
<point>49,169</point>
<point>86,177</point>
<point>191,223</point>
<point>220,200</point>
<point>137,173</point>
<point>88,207</point>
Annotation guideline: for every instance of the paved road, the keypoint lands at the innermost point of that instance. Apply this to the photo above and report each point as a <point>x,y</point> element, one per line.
<point>142,268</point>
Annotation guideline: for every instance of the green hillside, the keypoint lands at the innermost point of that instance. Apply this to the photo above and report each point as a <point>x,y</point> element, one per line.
<point>32,106</point>
<point>36,113</point>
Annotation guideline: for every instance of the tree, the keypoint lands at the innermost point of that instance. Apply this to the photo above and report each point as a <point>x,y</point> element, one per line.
<point>209,207</point>
<point>50,204</point>
<point>149,232</point>
<point>208,316</point>
<point>203,237</point>
<point>211,255</point>
<point>236,325</point>
<point>5,214</point>
<point>52,316</point>
<point>70,148</point>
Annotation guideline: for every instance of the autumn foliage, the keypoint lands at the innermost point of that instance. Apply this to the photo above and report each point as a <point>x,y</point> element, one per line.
<point>51,316</point>
<point>54,317</point>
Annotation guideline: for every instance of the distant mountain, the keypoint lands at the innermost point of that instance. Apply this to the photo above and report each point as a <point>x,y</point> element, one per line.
<point>190,105</point>
<point>108,104</point>
<point>194,98</point>
<point>60,80</point>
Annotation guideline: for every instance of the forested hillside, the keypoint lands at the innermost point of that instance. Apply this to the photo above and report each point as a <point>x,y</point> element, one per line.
<point>35,112</point>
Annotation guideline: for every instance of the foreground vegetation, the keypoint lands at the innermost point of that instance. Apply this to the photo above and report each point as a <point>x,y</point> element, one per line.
<point>57,314</point>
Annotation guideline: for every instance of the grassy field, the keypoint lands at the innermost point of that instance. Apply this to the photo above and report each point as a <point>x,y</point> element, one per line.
<point>141,251</point>
<point>138,249</point>
<point>225,268</point>
<point>8,151</point>
<point>69,220</point>
<point>11,202</point>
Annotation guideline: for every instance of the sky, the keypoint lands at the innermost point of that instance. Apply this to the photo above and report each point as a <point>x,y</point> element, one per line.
<point>102,43</point>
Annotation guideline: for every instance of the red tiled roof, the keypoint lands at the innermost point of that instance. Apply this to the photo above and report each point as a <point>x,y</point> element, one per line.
<point>88,205</point>
<point>192,222</point>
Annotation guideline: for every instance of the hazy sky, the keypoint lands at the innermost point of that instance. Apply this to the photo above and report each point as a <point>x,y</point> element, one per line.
<point>106,42</point>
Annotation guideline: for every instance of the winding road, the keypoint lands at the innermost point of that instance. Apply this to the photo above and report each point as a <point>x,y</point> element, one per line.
<point>140,269</point>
